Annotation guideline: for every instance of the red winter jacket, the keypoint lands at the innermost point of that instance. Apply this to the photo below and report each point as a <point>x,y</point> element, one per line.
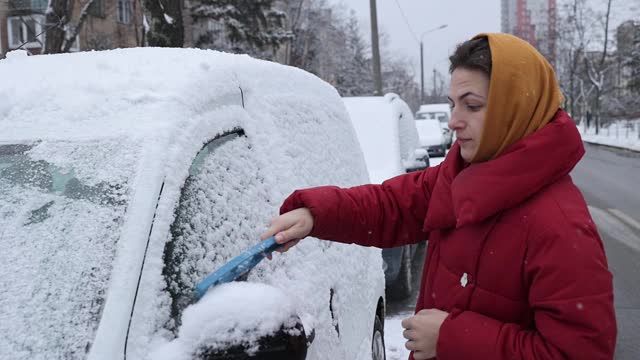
<point>513,254</point>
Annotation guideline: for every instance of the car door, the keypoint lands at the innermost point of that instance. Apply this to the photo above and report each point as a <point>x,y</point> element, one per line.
<point>218,207</point>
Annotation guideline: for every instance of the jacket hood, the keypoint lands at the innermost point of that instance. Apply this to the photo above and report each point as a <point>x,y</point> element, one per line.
<point>467,194</point>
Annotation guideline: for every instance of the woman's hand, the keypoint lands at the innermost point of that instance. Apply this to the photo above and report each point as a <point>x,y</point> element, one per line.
<point>289,228</point>
<point>422,331</point>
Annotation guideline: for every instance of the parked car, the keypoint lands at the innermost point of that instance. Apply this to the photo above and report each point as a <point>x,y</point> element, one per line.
<point>389,139</point>
<point>127,176</point>
<point>441,113</point>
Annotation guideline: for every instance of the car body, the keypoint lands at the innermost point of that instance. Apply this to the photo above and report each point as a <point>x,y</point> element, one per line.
<point>389,139</point>
<point>139,172</point>
<point>439,112</point>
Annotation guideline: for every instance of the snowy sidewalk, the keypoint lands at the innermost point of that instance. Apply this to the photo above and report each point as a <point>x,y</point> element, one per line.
<point>394,341</point>
<point>620,135</point>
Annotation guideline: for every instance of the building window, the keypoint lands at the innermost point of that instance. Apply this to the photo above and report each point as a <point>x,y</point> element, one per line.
<point>25,30</point>
<point>125,11</point>
<point>97,8</point>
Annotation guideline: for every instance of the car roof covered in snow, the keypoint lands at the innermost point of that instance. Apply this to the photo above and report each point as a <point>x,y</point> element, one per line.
<point>165,88</point>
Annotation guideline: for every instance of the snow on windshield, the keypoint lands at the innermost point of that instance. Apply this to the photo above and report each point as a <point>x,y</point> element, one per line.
<point>61,206</point>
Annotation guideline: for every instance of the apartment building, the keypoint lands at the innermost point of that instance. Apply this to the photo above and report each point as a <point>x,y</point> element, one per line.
<point>534,21</point>
<point>113,24</point>
<point>628,56</point>
<point>109,24</point>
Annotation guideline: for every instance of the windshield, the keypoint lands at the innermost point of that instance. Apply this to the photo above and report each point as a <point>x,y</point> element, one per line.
<point>441,116</point>
<point>61,207</point>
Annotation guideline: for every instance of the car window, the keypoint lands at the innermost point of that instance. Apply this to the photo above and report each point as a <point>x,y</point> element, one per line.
<point>216,217</point>
<point>60,223</point>
<point>443,117</point>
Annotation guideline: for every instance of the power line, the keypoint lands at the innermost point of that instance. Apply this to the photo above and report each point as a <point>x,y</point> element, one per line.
<point>407,22</point>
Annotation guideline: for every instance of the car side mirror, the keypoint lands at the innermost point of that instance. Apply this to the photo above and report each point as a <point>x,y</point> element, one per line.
<point>288,343</point>
<point>421,153</point>
<point>239,320</point>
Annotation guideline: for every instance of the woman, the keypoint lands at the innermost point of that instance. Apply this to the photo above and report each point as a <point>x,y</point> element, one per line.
<point>515,268</point>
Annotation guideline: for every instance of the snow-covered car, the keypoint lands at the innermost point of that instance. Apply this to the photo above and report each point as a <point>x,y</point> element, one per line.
<point>127,176</point>
<point>441,113</point>
<point>389,139</point>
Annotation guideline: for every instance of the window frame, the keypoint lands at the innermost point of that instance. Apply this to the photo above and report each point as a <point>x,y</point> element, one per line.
<point>97,9</point>
<point>38,20</point>
<point>194,170</point>
<point>124,11</point>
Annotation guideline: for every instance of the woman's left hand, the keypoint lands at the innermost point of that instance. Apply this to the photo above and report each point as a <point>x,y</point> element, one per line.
<point>422,331</point>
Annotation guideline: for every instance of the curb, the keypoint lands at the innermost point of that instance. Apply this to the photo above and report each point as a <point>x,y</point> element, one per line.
<point>611,146</point>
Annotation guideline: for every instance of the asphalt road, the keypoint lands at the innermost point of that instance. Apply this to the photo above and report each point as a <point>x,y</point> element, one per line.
<point>610,182</point>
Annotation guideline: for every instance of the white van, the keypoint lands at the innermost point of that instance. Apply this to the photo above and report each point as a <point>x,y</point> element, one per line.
<point>127,176</point>
<point>439,112</point>
<point>389,139</point>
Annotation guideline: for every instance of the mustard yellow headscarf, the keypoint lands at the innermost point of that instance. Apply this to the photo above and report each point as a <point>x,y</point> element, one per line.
<point>523,94</point>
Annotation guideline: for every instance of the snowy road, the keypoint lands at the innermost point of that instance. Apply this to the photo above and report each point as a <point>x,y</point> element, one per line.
<point>609,179</point>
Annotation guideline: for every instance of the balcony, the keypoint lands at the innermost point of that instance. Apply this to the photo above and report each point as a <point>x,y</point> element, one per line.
<point>22,7</point>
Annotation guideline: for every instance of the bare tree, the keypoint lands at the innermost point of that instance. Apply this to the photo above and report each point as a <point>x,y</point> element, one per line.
<point>585,62</point>
<point>597,69</point>
<point>569,39</point>
<point>61,30</point>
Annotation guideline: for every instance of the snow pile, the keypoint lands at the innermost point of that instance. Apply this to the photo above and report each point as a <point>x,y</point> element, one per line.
<point>117,93</point>
<point>393,339</point>
<point>230,314</point>
<point>621,134</point>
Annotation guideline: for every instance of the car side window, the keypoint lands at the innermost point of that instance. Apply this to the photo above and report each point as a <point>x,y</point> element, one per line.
<point>217,216</point>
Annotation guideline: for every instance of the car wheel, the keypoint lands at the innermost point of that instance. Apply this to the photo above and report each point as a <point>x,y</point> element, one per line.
<point>403,285</point>
<point>377,341</point>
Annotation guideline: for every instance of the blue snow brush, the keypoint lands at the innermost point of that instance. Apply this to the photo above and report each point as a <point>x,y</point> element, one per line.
<point>237,266</point>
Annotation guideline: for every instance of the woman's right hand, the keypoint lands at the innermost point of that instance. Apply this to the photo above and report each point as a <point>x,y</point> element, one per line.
<point>289,228</point>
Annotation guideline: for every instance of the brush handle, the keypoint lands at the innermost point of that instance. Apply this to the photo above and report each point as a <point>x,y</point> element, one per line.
<point>237,266</point>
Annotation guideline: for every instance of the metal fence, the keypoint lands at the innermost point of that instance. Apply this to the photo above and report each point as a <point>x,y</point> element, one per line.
<point>621,129</point>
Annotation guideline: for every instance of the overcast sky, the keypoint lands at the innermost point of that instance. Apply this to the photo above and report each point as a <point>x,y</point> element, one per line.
<point>464,19</point>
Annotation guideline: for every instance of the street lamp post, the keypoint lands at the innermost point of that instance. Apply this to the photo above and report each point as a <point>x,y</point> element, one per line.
<point>422,60</point>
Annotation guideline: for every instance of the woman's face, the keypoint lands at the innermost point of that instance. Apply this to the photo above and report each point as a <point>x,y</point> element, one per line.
<point>468,96</point>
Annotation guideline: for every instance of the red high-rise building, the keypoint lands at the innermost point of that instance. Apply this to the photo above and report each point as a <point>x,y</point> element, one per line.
<point>533,21</point>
